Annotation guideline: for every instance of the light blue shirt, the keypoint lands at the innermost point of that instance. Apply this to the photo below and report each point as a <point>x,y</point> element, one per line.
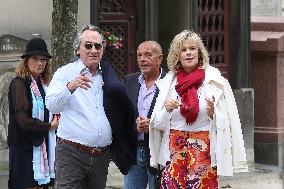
<point>145,98</point>
<point>83,119</point>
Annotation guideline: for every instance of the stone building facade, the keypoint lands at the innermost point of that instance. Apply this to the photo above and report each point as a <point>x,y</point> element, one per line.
<point>224,25</point>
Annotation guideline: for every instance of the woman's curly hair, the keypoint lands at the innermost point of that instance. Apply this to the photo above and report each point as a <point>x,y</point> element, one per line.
<point>175,48</point>
<point>23,71</point>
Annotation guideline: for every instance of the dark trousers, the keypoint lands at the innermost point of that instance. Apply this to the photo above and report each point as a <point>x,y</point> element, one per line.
<point>79,170</point>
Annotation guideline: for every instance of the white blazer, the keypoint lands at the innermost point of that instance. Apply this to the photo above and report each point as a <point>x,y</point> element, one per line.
<point>226,139</point>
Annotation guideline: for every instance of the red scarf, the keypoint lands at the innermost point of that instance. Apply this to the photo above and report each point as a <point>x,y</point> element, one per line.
<point>187,86</point>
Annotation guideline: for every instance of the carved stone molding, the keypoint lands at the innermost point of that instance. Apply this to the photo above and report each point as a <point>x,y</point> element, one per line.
<point>11,48</point>
<point>9,43</point>
<point>6,75</point>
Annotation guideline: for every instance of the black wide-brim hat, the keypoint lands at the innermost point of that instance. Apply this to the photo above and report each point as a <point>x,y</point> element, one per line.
<point>36,46</point>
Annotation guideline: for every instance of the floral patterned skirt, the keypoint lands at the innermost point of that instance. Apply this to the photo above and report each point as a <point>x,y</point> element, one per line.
<point>190,164</point>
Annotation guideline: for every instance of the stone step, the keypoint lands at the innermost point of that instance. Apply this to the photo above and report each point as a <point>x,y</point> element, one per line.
<point>4,179</point>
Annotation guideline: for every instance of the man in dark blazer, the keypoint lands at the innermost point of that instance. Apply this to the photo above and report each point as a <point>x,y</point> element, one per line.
<point>142,91</point>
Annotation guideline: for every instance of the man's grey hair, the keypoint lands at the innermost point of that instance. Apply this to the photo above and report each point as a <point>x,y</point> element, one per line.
<point>78,39</point>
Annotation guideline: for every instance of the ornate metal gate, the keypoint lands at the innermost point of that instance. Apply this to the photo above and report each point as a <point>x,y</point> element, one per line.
<point>116,16</point>
<point>214,29</point>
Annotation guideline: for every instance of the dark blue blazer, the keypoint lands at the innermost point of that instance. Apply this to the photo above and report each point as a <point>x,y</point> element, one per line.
<point>120,113</point>
<point>132,88</point>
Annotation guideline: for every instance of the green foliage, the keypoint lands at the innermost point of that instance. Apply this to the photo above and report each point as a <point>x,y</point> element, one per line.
<point>112,40</point>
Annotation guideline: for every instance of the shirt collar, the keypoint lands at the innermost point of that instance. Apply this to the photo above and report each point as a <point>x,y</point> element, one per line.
<point>141,79</point>
<point>80,65</point>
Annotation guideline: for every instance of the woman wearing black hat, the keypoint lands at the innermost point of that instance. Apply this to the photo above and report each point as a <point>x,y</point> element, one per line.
<point>31,130</point>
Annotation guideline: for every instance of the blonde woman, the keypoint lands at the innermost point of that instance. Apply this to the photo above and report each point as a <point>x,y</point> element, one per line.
<point>195,130</point>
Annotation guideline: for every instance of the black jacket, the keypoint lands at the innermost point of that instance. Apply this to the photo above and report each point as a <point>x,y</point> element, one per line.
<point>120,113</point>
<point>24,131</point>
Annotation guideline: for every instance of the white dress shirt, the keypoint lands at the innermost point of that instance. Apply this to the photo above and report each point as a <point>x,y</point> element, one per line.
<point>202,123</point>
<point>83,119</point>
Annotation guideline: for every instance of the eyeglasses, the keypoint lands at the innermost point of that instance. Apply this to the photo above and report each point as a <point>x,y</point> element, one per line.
<point>88,45</point>
<point>42,60</point>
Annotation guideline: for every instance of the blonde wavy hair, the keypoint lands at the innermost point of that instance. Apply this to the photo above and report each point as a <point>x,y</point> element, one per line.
<point>23,71</point>
<point>175,49</point>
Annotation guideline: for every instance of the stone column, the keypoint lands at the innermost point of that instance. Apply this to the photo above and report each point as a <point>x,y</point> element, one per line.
<point>240,70</point>
<point>8,64</point>
<point>267,44</point>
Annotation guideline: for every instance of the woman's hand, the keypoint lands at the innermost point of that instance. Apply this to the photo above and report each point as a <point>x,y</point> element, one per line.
<point>210,107</point>
<point>55,121</point>
<point>171,104</point>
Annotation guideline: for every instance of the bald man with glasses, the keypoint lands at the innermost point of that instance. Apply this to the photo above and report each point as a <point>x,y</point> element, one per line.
<point>96,117</point>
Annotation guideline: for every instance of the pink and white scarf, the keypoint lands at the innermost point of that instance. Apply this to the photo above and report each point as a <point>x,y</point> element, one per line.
<point>43,166</point>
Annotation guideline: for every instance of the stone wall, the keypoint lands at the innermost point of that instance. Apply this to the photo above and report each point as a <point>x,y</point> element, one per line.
<point>6,75</point>
<point>8,63</point>
<point>267,46</point>
<point>245,102</point>
<point>22,18</point>
<point>266,7</point>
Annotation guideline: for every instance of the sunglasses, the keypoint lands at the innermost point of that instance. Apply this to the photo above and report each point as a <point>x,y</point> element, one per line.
<point>89,45</point>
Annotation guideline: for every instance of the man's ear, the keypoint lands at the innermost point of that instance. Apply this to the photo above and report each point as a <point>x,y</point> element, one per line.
<point>77,52</point>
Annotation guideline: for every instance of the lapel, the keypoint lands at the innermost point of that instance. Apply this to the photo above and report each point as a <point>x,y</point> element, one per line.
<point>105,100</point>
<point>155,96</point>
<point>214,83</point>
<point>133,87</point>
<point>213,90</point>
<point>153,103</point>
<point>134,93</point>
